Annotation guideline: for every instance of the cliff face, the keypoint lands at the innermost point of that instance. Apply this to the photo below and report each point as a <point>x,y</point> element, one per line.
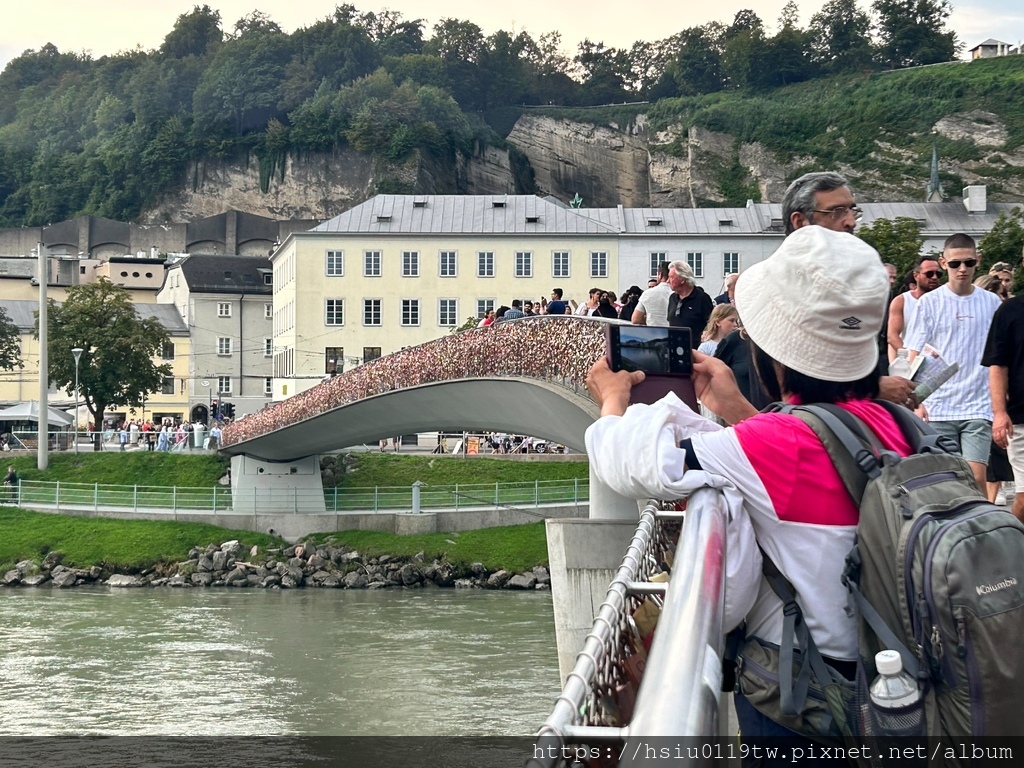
<point>605,165</point>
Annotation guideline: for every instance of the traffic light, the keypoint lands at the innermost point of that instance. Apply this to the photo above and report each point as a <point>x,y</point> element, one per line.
<point>228,409</point>
<point>213,408</point>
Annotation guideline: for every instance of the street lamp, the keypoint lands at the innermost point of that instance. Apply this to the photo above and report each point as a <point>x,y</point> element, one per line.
<point>77,352</point>
<point>209,400</point>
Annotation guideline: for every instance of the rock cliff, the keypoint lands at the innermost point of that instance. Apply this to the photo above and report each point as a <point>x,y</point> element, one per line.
<point>606,165</point>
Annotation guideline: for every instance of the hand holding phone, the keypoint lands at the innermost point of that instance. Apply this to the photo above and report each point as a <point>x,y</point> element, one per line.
<point>664,355</point>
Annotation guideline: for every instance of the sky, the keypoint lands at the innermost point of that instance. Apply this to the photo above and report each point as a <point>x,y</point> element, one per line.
<point>104,27</point>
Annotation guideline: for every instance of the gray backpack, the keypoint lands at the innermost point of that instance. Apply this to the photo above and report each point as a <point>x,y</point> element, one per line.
<point>937,574</point>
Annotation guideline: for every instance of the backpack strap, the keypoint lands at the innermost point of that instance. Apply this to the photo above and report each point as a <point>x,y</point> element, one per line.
<point>920,434</point>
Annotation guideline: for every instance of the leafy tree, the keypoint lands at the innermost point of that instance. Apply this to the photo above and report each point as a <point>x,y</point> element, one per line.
<point>697,65</point>
<point>604,72</point>
<point>841,37</point>
<point>193,34</point>
<point>1005,242</point>
<point>116,368</point>
<point>897,241</point>
<point>10,343</point>
<point>912,32</point>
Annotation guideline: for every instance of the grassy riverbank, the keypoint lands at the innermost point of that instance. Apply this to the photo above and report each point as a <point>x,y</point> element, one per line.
<point>364,469</point>
<point>131,546</point>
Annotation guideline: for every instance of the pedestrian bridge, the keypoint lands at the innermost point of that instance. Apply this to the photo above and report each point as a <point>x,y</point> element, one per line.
<point>523,376</point>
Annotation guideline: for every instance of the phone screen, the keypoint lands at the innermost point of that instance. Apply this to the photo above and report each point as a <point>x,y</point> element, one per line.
<point>651,349</point>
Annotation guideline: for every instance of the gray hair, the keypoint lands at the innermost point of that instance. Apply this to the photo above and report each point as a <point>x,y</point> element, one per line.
<point>799,197</point>
<point>684,270</point>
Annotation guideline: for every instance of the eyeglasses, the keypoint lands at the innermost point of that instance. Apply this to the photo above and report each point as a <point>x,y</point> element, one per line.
<point>840,212</point>
<point>932,274</point>
<point>969,263</point>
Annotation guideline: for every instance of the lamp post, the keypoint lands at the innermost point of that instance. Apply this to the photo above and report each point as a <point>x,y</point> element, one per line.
<point>77,352</point>
<point>209,401</point>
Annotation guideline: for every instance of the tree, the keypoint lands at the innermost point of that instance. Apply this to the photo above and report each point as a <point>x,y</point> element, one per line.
<point>912,32</point>
<point>1005,242</point>
<point>193,34</point>
<point>697,66</point>
<point>841,37</point>
<point>116,368</point>
<point>898,241</point>
<point>10,343</point>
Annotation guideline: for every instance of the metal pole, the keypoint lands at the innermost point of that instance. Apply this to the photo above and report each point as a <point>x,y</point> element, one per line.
<point>42,457</point>
<point>416,497</point>
<point>77,352</point>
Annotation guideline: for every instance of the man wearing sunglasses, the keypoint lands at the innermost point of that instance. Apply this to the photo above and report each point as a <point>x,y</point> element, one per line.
<point>955,320</point>
<point>926,276</point>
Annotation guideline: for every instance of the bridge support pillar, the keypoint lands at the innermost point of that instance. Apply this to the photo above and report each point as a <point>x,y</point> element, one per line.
<point>276,488</point>
<point>583,556</point>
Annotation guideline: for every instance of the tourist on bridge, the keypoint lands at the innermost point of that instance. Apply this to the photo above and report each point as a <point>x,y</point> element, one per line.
<point>784,495</point>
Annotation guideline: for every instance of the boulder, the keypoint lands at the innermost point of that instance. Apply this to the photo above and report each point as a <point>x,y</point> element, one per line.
<point>205,563</point>
<point>123,580</point>
<point>231,548</point>
<point>355,580</point>
<point>220,560</point>
<point>522,581</point>
<point>35,579</point>
<point>541,574</point>
<point>65,578</point>
<point>319,577</point>
<point>477,569</point>
<point>237,576</point>
<point>12,577</point>
<point>409,575</point>
<point>273,580</point>
<point>176,581</point>
<point>52,560</point>
<point>202,579</point>
<point>466,584</point>
<point>316,561</point>
<point>349,557</point>
<point>498,579</point>
<point>290,582</point>
<point>331,582</point>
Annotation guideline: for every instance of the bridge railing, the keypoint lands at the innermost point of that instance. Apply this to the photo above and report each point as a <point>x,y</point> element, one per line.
<point>374,499</point>
<point>602,703</point>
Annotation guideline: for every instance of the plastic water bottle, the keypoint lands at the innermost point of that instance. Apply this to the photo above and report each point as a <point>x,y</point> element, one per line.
<point>896,700</point>
<point>900,366</point>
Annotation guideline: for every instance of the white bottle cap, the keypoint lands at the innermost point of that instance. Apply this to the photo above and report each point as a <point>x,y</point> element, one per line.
<point>888,662</point>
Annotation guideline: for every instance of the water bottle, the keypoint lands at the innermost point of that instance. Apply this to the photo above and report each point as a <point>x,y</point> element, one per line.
<point>896,701</point>
<point>900,366</point>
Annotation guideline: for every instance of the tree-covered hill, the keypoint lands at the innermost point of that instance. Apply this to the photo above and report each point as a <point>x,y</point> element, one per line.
<point>110,136</point>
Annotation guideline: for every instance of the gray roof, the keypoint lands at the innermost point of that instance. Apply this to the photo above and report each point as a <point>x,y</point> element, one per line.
<point>226,274</point>
<point>754,219</point>
<point>22,315</point>
<point>467,214</point>
<point>990,41</point>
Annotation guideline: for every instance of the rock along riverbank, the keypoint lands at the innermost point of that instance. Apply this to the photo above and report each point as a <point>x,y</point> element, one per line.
<point>233,564</point>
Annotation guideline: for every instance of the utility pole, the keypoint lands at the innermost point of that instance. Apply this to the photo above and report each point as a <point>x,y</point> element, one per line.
<point>42,458</point>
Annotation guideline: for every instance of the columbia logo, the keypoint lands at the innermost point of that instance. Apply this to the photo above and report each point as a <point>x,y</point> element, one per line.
<point>851,324</point>
<point>985,589</point>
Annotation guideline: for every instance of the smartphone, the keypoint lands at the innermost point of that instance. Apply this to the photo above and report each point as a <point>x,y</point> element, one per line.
<point>664,355</point>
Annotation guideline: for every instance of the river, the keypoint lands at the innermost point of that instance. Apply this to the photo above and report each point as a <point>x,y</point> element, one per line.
<point>311,662</point>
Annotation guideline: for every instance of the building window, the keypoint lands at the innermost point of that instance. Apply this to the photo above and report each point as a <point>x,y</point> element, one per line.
<point>167,387</point>
<point>560,264</point>
<point>483,306</point>
<point>730,263</point>
<point>371,311</point>
<point>268,385</point>
<point>223,309</point>
<point>268,278</point>
<point>599,264</point>
<point>334,359</point>
<point>485,264</point>
<point>696,261</point>
<point>223,385</point>
<point>334,311</point>
<point>224,345</point>
<point>447,312</point>
<point>410,264</point>
<point>656,258</point>
<point>371,264</point>
<point>268,347</point>
<point>524,264</point>
<point>167,351</point>
<point>410,311</point>
<point>448,264</point>
<point>268,311</point>
<point>335,263</point>
<point>370,353</point>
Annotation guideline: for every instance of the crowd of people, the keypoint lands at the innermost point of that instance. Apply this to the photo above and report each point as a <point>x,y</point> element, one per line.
<point>164,436</point>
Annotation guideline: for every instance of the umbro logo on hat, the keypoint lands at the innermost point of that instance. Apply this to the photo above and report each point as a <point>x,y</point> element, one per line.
<point>851,323</point>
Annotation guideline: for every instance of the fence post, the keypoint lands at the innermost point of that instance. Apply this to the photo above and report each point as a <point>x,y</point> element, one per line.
<point>58,495</point>
<point>376,506</point>
<point>295,501</point>
<point>95,497</point>
<point>335,498</point>
<point>456,497</point>
<point>174,499</point>
<point>214,510</point>
<point>495,494</point>
<point>536,493</point>
<point>135,498</point>
<point>576,490</point>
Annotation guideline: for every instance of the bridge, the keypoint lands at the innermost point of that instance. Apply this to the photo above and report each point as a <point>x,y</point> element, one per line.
<point>522,376</point>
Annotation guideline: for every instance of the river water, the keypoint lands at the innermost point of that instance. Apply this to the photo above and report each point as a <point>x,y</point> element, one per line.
<point>312,662</point>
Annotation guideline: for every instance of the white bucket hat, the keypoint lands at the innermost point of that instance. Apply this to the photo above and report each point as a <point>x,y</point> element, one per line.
<point>817,304</point>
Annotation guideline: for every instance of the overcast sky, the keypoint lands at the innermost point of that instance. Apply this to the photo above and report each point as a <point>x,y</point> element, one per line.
<point>108,26</point>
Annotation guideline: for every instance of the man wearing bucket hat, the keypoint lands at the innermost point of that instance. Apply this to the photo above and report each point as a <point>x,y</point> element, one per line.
<point>812,311</point>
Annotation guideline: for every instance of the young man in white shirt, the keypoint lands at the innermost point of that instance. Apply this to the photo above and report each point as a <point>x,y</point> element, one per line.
<point>955,319</point>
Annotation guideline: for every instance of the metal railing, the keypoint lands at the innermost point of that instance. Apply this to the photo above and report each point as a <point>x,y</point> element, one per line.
<point>536,493</point>
<point>678,694</point>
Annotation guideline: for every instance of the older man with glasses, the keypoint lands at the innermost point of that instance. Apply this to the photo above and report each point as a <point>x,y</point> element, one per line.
<point>903,308</point>
<point>955,319</point>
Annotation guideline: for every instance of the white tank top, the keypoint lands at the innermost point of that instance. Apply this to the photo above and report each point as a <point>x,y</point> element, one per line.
<point>909,310</point>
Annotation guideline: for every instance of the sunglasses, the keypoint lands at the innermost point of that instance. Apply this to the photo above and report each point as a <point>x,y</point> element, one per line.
<point>933,273</point>
<point>969,263</point>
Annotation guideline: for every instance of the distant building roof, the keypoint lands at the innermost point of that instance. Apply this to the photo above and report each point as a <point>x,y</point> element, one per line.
<point>464,214</point>
<point>22,315</point>
<point>988,43</point>
<point>226,274</point>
